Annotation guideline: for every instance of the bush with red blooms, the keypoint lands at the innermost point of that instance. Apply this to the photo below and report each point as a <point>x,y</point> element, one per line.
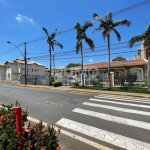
<point>35,137</point>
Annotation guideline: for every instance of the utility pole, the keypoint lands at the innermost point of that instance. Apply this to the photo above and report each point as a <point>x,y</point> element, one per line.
<point>54,64</point>
<point>25,60</point>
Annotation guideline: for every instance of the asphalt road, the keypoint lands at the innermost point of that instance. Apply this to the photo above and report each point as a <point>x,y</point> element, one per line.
<point>76,109</point>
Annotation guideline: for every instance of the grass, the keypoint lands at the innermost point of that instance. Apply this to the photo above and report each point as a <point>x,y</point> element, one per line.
<point>116,89</point>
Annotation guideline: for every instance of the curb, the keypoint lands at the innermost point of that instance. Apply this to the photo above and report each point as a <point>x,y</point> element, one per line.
<point>86,90</point>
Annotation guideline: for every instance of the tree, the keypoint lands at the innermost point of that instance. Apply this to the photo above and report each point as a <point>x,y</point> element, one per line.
<point>119,59</point>
<point>145,37</point>
<point>73,65</point>
<point>81,35</point>
<point>107,25</point>
<point>131,76</point>
<point>51,42</point>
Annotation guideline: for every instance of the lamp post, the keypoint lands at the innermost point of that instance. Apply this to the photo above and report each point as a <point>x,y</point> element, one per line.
<point>23,56</point>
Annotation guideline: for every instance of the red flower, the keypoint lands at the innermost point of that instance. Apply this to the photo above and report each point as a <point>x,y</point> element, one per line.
<point>43,148</point>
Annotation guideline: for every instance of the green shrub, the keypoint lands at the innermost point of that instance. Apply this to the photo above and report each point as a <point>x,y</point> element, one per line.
<point>34,136</point>
<point>57,83</point>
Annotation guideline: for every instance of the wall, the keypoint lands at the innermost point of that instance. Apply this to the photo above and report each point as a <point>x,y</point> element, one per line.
<point>2,72</point>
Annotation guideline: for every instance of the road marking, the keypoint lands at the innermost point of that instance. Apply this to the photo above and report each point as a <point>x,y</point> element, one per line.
<point>130,122</point>
<point>126,98</point>
<point>113,102</point>
<point>118,109</point>
<point>106,136</point>
<point>75,136</point>
<point>135,100</point>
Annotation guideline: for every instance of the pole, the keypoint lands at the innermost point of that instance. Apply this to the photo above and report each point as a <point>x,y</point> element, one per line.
<point>54,64</point>
<point>19,125</point>
<point>50,83</point>
<point>25,63</point>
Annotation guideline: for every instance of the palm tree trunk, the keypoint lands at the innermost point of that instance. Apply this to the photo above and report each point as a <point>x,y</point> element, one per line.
<point>82,67</point>
<point>148,50</point>
<point>108,38</point>
<point>50,53</point>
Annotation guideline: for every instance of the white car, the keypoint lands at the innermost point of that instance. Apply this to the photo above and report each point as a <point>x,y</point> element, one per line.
<point>71,79</point>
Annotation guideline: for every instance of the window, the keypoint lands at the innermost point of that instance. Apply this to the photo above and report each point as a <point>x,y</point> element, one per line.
<point>35,70</point>
<point>32,70</point>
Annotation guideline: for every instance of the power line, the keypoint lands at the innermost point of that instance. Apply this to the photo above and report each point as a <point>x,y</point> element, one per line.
<point>70,53</point>
<point>115,13</point>
<point>71,29</point>
<point>86,56</point>
<point>95,55</point>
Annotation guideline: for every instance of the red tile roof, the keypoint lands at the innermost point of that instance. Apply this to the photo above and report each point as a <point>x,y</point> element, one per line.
<point>116,63</point>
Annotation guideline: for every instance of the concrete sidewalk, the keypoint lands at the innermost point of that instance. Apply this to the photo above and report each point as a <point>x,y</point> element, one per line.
<point>68,88</point>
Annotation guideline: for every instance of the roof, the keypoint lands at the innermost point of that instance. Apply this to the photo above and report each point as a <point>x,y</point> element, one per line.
<point>113,64</point>
<point>2,64</point>
<point>21,61</point>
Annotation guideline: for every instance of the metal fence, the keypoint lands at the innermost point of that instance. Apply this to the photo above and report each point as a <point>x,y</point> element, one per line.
<point>36,80</point>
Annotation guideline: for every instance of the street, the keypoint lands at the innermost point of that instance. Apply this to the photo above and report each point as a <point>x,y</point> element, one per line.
<point>113,122</point>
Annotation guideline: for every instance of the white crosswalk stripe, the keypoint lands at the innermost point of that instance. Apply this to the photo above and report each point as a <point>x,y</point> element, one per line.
<point>113,138</point>
<point>121,103</point>
<point>121,98</point>
<point>118,109</point>
<point>130,122</point>
<point>109,137</point>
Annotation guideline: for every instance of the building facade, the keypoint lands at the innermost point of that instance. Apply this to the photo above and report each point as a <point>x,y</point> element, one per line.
<point>15,69</point>
<point>2,71</point>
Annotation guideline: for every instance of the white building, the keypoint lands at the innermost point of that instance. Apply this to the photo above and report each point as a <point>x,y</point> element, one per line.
<point>16,68</point>
<point>58,72</point>
<point>2,71</point>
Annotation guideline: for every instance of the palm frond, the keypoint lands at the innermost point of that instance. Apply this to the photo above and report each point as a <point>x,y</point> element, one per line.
<point>109,17</point>
<point>58,44</point>
<point>123,22</point>
<point>97,18</point>
<point>117,34</point>
<point>89,42</point>
<point>136,39</point>
<point>146,42</point>
<point>78,28</point>
<point>53,34</point>
<point>101,27</point>
<point>87,25</point>
<point>105,33</point>
<point>44,29</point>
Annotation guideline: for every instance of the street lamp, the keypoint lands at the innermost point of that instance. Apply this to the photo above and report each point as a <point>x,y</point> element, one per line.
<point>24,55</point>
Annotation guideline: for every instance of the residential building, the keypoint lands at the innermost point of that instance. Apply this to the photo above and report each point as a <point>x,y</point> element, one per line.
<point>117,68</point>
<point>16,68</point>
<point>58,72</point>
<point>2,71</point>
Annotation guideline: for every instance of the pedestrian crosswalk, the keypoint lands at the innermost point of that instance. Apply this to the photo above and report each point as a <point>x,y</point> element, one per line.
<point>125,125</point>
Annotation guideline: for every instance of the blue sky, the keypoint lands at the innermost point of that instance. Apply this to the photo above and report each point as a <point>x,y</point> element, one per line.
<point>22,21</point>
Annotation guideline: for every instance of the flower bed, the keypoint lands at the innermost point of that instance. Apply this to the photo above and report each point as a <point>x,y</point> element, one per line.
<point>34,137</point>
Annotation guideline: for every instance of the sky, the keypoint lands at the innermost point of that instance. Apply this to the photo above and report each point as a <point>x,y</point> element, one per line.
<point>22,21</point>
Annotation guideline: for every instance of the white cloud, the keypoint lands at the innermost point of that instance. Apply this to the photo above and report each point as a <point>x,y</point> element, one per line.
<point>21,18</point>
<point>90,60</point>
<point>61,66</point>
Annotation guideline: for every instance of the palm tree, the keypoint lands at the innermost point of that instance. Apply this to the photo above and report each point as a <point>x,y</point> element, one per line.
<point>145,38</point>
<point>107,25</point>
<point>51,42</point>
<point>81,35</point>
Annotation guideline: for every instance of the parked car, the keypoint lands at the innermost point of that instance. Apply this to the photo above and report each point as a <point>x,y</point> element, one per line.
<point>71,80</point>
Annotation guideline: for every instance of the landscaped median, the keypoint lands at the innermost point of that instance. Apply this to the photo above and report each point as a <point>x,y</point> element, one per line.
<point>115,89</point>
<point>14,135</point>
